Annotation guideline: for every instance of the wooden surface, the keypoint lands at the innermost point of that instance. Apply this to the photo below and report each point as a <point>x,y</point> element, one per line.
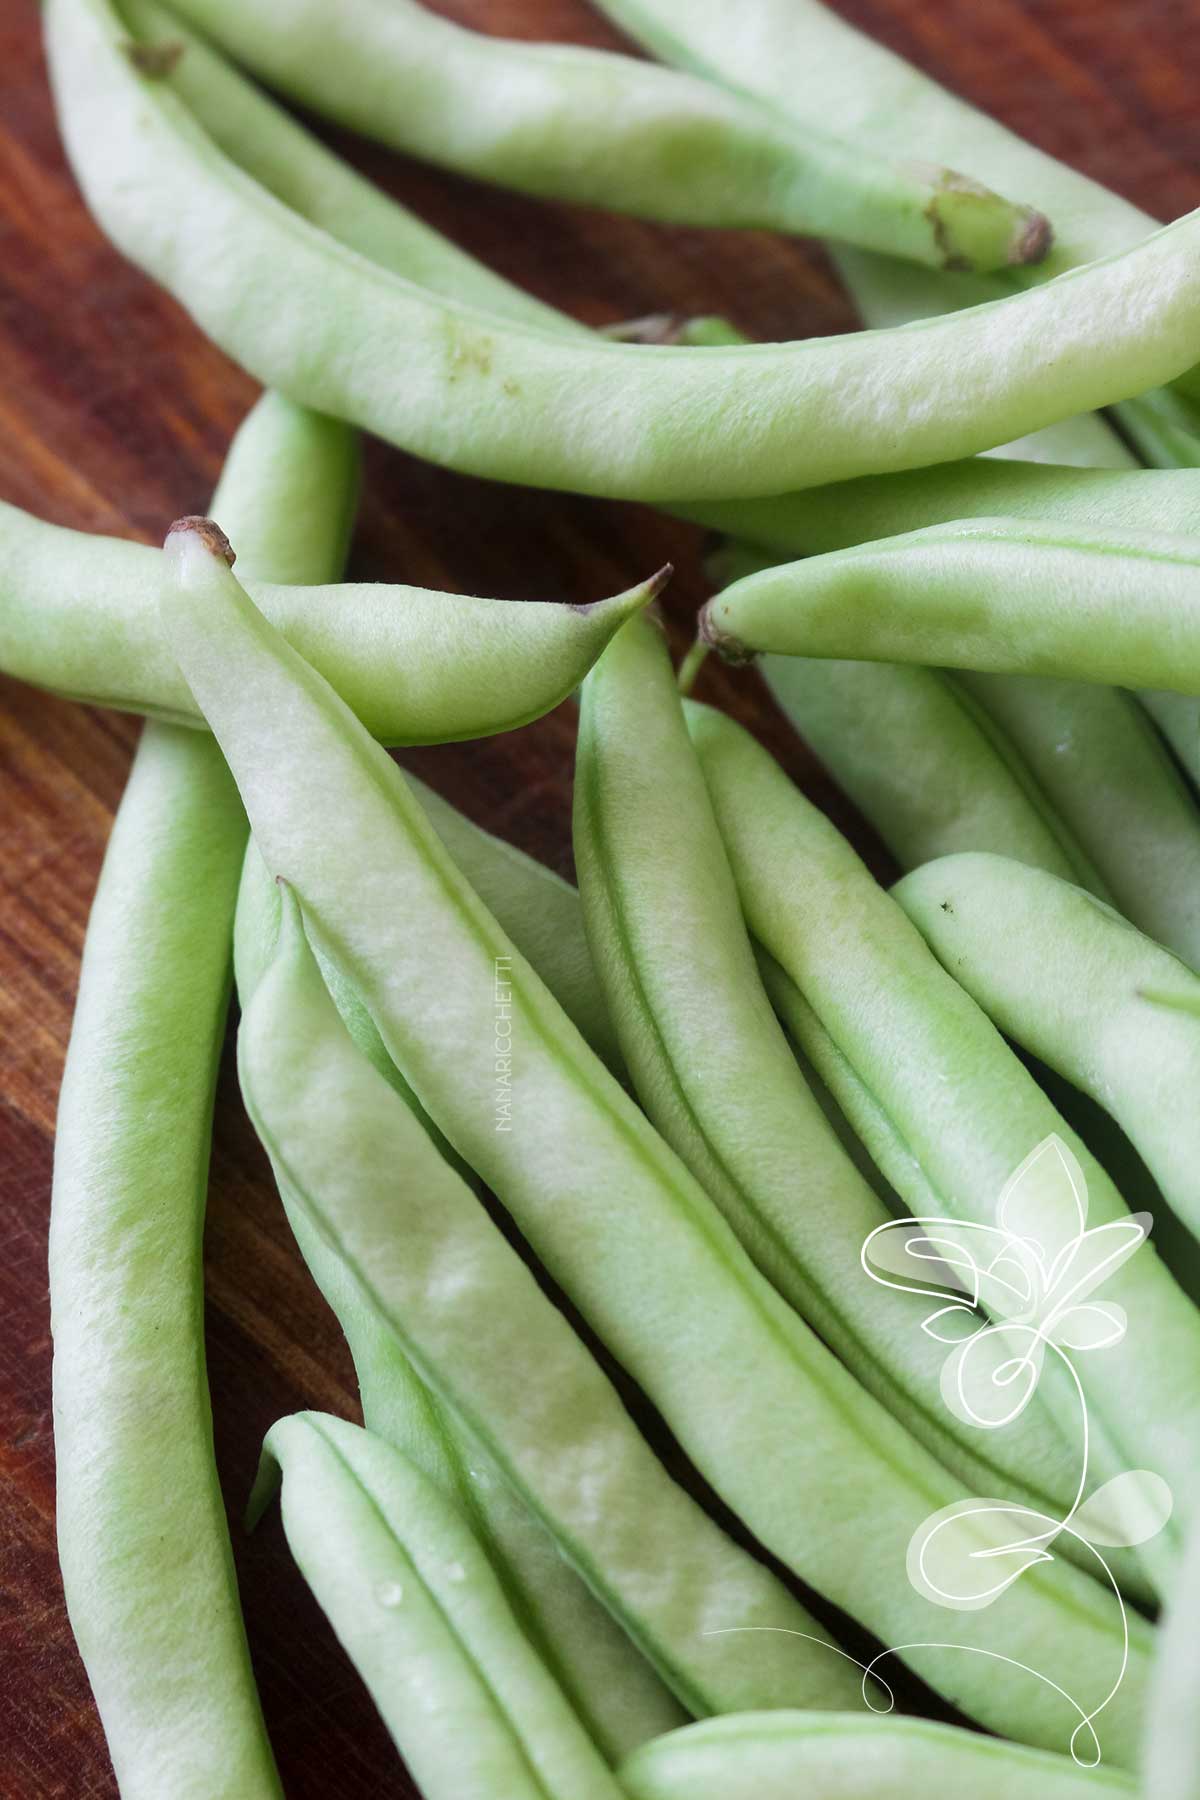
<point>114,415</point>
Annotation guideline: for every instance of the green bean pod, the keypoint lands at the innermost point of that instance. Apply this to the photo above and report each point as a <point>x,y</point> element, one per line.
<point>143,1542</point>
<point>780,1756</point>
<point>516,404</point>
<point>817,1470</point>
<point>568,123</point>
<point>1171,1751</point>
<point>812,66</point>
<point>418,1609</point>
<point>1009,596</point>
<point>733,1102</point>
<point>142,1538</point>
<point>79,615</point>
<point>1075,983</point>
<point>945,1107</point>
<point>429,1267</point>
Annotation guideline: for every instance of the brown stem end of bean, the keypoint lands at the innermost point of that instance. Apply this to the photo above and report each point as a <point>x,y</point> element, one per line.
<point>1032,242</point>
<point>727,647</point>
<point>209,533</point>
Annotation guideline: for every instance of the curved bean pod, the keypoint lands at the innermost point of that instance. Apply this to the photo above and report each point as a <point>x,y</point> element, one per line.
<point>781,1756</point>
<point>425,1263</point>
<point>418,1609</point>
<point>138,1501</point>
<point>1077,985</point>
<point>142,1538</point>
<point>79,615</point>
<point>812,66</point>
<point>461,389</point>
<point>1014,596</point>
<point>1171,1751</point>
<point>945,1107</point>
<point>614,1216</point>
<point>734,1105</point>
<point>568,123</point>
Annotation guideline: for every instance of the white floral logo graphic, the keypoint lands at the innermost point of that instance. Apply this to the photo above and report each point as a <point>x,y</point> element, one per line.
<point>1013,1295</point>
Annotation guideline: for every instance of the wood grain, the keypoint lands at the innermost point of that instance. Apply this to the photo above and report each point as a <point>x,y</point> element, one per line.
<point>114,415</point>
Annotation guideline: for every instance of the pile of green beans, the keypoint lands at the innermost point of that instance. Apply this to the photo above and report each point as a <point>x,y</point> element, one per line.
<point>662,1216</point>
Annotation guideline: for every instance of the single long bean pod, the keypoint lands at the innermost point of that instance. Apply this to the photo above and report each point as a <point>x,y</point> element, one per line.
<point>1009,596</point>
<point>414,1602</point>
<point>1171,1751</point>
<point>79,615</point>
<point>735,1105</point>
<point>419,1259</point>
<point>945,1107</point>
<point>780,1756</point>
<point>143,1542</point>
<point>462,389</point>
<point>568,123</point>
<point>813,66</point>
<point>609,1209</point>
<point>1083,990</point>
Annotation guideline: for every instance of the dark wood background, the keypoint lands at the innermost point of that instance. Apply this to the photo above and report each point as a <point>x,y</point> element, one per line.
<point>114,416</point>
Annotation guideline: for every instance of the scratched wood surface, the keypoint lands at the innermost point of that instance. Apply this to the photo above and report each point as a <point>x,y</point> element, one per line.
<point>114,415</point>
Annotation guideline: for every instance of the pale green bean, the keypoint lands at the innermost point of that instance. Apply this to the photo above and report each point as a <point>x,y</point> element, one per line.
<point>820,1474</point>
<point>415,1604</point>
<point>143,1543</point>
<point>568,123</point>
<point>79,615</point>
<point>627,420</point>
<point>423,1261</point>
<point>1004,595</point>
<point>729,1096</point>
<point>783,1756</point>
<point>946,1109</point>
<point>1075,983</point>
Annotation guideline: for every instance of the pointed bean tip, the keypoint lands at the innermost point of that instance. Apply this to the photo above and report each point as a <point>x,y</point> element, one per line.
<point>209,534</point>
<point>658,581</point>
